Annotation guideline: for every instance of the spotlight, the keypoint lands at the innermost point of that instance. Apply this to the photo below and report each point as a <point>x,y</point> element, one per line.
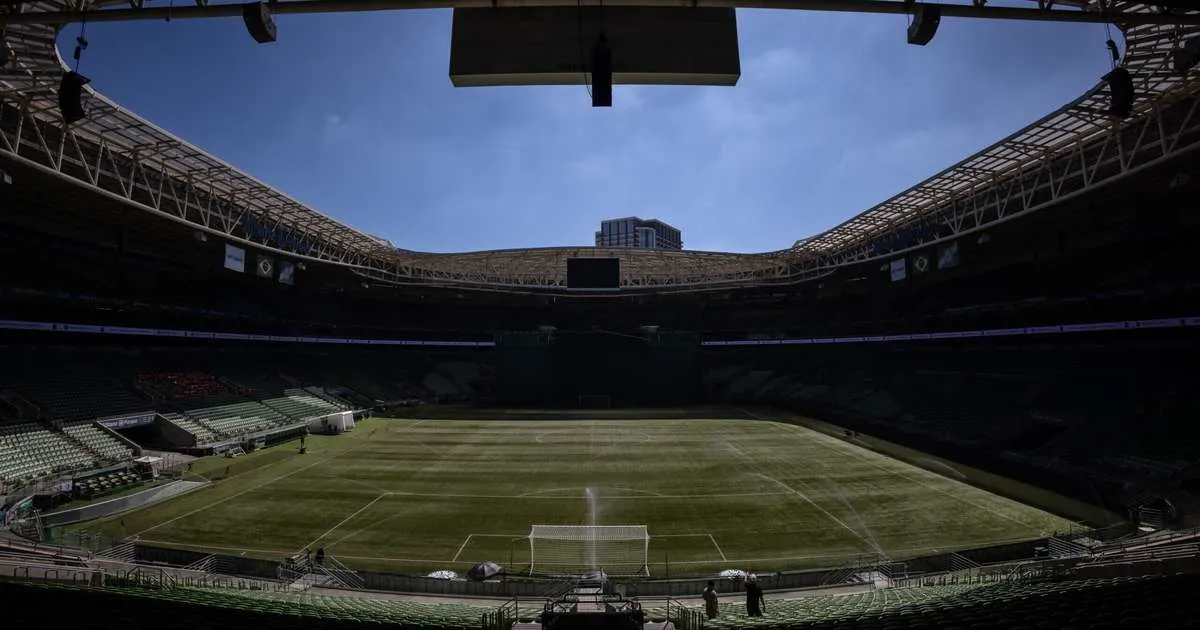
<point>602,73</point>
<point>70,97</point>
<point>926,18</point>
<point>1120,85</point>
<point>1185,57</point>
<point>259,22</point>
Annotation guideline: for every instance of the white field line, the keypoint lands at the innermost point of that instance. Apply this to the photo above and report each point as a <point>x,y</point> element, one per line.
<point>867,457</point>
<point>534,497</point>
<point>714,542</point>
<point>835,519</point>
<point>265,483</point>
<point>536,493</point>
<point>461,547</point>
<point>345,520</point>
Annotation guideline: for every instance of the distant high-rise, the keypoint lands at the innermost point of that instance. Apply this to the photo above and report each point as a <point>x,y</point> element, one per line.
<point>639,233</point>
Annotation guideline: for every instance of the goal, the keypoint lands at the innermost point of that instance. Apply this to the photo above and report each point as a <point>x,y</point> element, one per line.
<point>578,549</point>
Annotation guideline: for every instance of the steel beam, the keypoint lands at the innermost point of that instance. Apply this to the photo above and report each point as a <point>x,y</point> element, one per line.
<point>286,7</point>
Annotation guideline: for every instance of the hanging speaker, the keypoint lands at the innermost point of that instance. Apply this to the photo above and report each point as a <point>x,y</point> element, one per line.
<point>602,73</point>
<point>926,18</point>
<point>1120,86</point>
<point>1185,57</point>
<point>259,22</point>
<point>70,97</point>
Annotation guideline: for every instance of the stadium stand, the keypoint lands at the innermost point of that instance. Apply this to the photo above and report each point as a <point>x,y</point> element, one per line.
<point>201,433</point>
<point>1103,603</point>
<point>181,387</point>
<point>32,451</point>
<point>107,448</point>
<point>237,419</point>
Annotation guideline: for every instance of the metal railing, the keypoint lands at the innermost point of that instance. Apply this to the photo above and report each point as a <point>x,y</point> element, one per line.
<point>684,617</point>
<point>502,618</point>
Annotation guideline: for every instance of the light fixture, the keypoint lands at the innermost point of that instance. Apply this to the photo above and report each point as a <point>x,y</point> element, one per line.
<point>926,18</point>
<point>70,96</point>
<point>5,52</point>
<point>259,22</point>
<point>1186,56</point>
<point>602,73</point>
<point>1121,94</point>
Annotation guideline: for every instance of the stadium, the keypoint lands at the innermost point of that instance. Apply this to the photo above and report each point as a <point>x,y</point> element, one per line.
<point>971,405</point>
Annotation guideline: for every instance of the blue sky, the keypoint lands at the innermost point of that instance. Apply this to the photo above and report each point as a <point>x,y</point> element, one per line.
<point>355,116</point>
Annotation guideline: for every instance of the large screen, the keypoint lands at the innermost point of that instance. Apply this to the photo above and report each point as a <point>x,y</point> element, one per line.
<point>541,45</point>
<point>593,274</point>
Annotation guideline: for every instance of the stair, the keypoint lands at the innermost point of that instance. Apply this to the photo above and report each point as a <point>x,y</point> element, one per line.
<point>124,552</point>
<point>1060,548</point>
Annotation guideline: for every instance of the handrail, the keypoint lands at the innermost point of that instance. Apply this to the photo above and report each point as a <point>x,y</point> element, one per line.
<point>684,617</point>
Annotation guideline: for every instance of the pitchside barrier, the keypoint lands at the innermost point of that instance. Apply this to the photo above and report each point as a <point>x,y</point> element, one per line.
<point>526,587</point>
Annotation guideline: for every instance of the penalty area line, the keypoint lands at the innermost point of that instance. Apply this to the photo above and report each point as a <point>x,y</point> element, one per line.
<point>714,542</point>
<point>461,547</point>
<point>346,520</point>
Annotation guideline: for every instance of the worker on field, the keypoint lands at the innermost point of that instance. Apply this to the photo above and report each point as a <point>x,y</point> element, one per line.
<point>710,600</point>
<point>754,597</point>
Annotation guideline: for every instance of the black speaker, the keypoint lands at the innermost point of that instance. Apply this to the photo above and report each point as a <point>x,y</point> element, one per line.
<point>1185,57</point>
<point>1120,85</point>
<point>70,97</point>
<point>926,18</point>
<point>602,73</point>
<point>259,22</point>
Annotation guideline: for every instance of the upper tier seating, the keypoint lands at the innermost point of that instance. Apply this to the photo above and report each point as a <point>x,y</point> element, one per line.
<point>81,398</point>
<point>181,386</point>
<point>28,451</point>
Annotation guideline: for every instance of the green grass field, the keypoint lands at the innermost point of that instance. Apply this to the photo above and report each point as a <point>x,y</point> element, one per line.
<point>421,495</point>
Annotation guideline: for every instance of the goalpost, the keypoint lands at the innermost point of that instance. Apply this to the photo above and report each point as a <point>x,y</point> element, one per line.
<point>578,549</point>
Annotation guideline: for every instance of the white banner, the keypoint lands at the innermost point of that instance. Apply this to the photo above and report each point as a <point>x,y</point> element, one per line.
<point>899,270</point>
<point>287,272</point>
<point>235,258</point>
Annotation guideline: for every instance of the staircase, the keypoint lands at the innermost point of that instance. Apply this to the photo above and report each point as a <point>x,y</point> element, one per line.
<point>1059,548</point>
<point>79,444</point>
<point>124,552</point>
<point>343,575</point>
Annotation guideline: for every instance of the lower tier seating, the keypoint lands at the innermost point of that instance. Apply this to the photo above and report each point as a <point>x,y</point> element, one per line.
<point>1104,604</point>
<point>103,444</point>
<point>28,451</point>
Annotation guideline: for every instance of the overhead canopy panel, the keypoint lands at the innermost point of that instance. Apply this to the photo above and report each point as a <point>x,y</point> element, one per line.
<point>543,46</point>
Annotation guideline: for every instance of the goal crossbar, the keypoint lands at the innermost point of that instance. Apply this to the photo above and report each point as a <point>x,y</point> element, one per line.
<point>576,549</point>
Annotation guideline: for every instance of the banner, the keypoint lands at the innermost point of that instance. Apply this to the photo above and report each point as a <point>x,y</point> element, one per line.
<point>265,267</point>
<point>899,270</point>
<point>287,272</point>
<point>921,263</point>
<point>948,256</point>
<point>235,259</point>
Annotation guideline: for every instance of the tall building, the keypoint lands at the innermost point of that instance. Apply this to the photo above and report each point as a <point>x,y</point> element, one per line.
<point>640,233</point>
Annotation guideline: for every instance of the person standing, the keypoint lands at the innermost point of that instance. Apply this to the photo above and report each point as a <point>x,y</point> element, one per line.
<point>754,597</point>
<point>710,600</point>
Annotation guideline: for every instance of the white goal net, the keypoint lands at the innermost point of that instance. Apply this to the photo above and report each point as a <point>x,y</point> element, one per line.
<point>578,549</point>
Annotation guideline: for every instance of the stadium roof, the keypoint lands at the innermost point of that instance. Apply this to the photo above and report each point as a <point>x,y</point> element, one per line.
<point>1075,148</point>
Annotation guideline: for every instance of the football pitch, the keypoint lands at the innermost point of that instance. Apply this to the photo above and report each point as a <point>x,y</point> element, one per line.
<point>423,495</point>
